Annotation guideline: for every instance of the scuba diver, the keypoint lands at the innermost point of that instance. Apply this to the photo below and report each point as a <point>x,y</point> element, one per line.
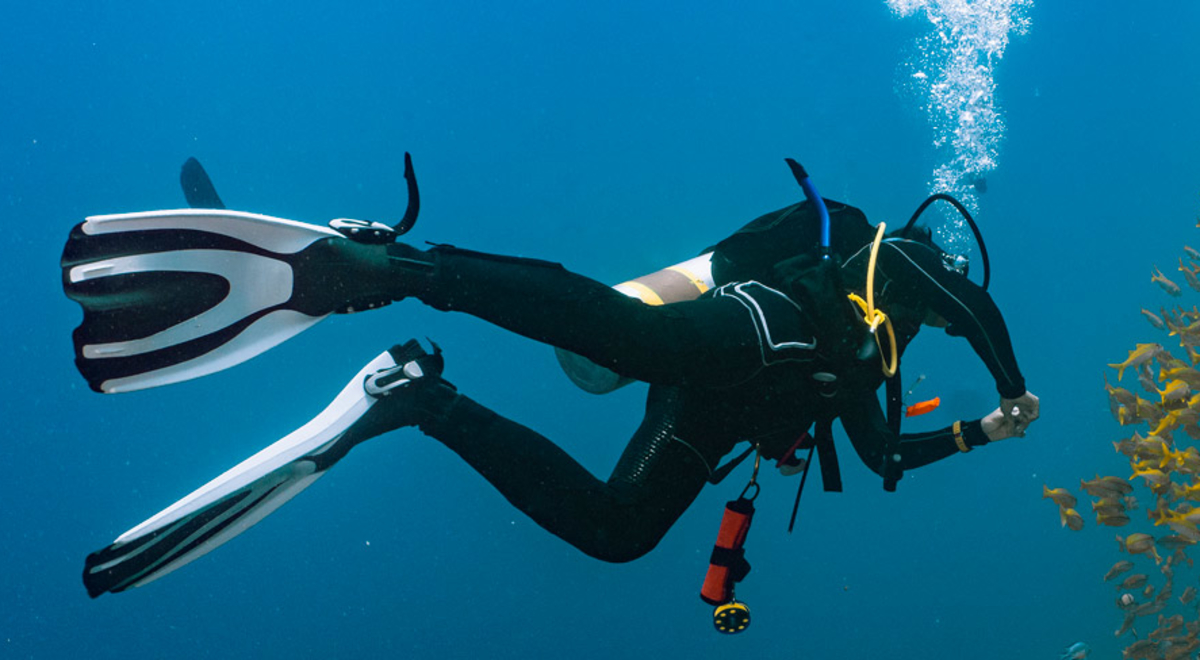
<point>772,351</point>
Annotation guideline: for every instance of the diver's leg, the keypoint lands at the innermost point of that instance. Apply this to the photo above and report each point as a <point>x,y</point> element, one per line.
<point>620,520</point>
<point>710,342</point>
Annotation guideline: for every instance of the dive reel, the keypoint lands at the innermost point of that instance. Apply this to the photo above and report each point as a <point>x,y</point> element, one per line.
<point>728,564</point>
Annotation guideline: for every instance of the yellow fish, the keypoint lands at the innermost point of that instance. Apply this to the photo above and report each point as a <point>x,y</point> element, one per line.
<point>1143,649</point>
<point>1119,396</point>
<point>1185,530</point>
<point>1189,274</point>
<point>1184,460</point>
<point>1146,379</point>
<point>1166,423</point>
<point>1117,569</point>
<point>1167,627</point>
<point>1151,412</point>
<point>1187,461</point>
<point>1169,364</point>
<point>1070,518</point>
<point>1154,319</point>
<point>1191,336</point>
<point>1192,253</point>
<point>1112,519</point>
<point>1189,492</point>
<point>1174,542</point>
<point>1153,477</point>
<point>1125,416</point>
<point>1153,607</point>
<point>1176,390</point>
<point>1183,518</point>
<point>1060,496</point>
<point>1106,487</point>
<point>1150,447</point>
<point>1109,505</point>
<point>1182,371</point>
<point>1127,624</point>
<point>1167,285</point>
<point>1136,581</point>
<point>1170,316</point>
<point>1138,544</point>
<point>1143,353</point>
<point>1161,513</point>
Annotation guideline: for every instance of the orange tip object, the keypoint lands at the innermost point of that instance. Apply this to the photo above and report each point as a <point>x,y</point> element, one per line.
<point>923,407</point>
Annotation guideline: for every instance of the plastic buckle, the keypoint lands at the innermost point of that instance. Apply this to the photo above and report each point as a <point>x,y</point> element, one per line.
<point>382,382</point>
<point>826,383</point>
<point>365,232</point>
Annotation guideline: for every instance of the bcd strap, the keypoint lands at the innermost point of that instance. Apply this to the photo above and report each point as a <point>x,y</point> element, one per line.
<point>891,469</point>
<point>895,403</point>
<point>831,474</point>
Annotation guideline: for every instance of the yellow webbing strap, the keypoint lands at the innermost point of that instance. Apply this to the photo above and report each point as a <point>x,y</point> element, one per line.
<point>875,317</point>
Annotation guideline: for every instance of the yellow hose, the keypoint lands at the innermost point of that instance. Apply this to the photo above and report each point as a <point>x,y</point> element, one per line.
<point>875,317</point>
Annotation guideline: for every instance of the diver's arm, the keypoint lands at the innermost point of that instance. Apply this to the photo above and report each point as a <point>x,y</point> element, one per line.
<point>920,449</point>
<point>864,422</point>
<point>918,273</point>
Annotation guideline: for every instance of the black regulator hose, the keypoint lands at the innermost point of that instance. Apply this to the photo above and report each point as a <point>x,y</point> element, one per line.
<point>987,266</point>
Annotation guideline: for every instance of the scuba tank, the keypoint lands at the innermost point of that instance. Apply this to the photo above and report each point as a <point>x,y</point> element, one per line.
<point>687,280</point>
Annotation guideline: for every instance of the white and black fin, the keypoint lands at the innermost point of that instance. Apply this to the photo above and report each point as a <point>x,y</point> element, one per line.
<point>242,496</point>
<point>172,295</point>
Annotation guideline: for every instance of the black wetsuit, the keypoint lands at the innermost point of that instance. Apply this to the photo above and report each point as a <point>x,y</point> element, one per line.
<point>734,366</point>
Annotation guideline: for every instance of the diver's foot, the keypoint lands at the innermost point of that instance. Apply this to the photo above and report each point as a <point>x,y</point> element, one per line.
<point>343,277</point>
<point>407,394</point>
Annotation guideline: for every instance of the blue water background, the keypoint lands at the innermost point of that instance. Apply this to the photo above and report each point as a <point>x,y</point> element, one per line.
<point>616,138</point>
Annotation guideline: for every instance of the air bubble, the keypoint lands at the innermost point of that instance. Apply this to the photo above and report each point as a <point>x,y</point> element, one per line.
<point>954,72</point>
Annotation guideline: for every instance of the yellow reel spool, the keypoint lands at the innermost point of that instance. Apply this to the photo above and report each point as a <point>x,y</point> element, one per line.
<point>731,618</point>
<point>875,317</point>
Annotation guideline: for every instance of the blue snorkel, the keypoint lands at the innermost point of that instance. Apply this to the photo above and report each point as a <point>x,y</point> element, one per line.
<point>810,192</point>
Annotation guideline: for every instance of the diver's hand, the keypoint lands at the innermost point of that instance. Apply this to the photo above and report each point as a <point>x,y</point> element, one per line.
<point>1018,413</point>
<point>998,427</point>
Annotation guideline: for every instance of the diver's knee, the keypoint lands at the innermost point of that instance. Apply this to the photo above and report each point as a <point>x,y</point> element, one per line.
<point>622,550</point>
